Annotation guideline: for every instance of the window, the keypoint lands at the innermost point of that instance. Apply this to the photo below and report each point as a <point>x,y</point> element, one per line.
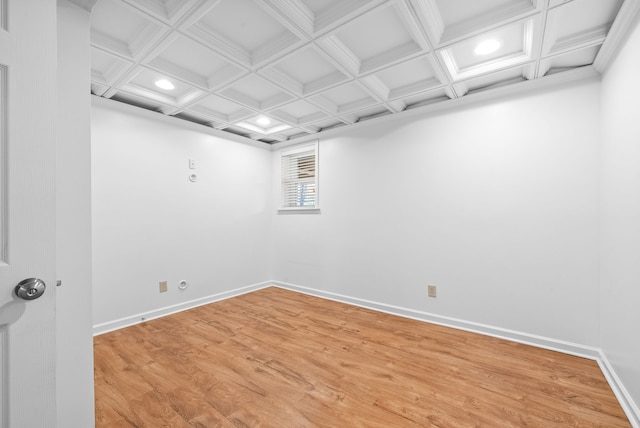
<point>299,179</point>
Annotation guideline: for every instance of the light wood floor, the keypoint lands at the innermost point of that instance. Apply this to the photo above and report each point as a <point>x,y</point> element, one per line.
<point>275,358</point>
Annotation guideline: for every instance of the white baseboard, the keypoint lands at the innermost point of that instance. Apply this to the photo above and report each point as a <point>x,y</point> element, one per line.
<point>623,396</point>
<point>626,402</point>
<point>161,312</point>
<point>502,333</point>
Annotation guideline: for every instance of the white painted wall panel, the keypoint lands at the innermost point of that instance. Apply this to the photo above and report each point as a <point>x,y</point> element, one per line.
<point>151,224</point>
<point>496,204</point>
<point>620,233</point>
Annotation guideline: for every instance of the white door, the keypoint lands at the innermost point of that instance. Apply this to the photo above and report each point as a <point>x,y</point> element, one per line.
<point>27,211</point>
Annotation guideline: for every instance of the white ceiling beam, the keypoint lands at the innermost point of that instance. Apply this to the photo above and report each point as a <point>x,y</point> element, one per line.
<point>342,12</point>
<point>584,39</point>
<point>282,80</point>
<point>177,72</point>
<point>340,54</point>
<point>413,27</point>
<point>489,21</point>
<point>415,88</point>
<point>311,129</point>
<point>324,83</point>
<point>85,4</point>
<point>209,114</point>
<point>451,92</point>
<point>241,115</point>
<point>225,77</point>
<point>529,71</point>
<point>285,117</point>
<point>618,32</point>
<point>200,9</point>
<point>294,14</point>
<point>356,105</point>
<point>148,37</point>
<point>111,45</point>
<point>191,98</point>
<point>241,98</point>
<point>152,8</point>
<point>276,101</point>
<point>375,87</point>
<point>429,18</point>
<point>391,57</point>
<point>323,103</point>
<point>167,102</point>
<point>99,89</point>
<point>221,45</point>
<point>396,106</point>
<point>274,49</point>
<point>313,117</point>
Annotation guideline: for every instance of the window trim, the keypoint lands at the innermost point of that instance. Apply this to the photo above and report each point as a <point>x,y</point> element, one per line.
<point>315,209</point>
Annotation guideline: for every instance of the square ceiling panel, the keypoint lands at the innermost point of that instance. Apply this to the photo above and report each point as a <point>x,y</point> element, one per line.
<point>243,26</point>
<point>331,14</point>
<point>456,12</point>
<point>573,59</point>
<point>122,31</point>
<point>256,92</point>
<point>408,77</point>
<point>464,17</point>
<point>191,61</point>
<point>320,6</point>
<point>105,67</point>
<point>299,112</point>
<point>311,69</point>
<point>344,98</point>
<point>509,46</point>
<point>389,42</point>
<point>164,10</point>
<point>145,83</point>
<point>220,109</point>
<point>590,29</point>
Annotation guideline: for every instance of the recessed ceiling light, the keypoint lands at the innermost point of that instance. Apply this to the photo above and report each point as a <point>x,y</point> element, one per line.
<point>488,46</point>
<point>263,120</point>
<point>164,84</point>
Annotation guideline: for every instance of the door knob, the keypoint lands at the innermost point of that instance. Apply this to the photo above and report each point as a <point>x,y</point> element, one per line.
<point>30,288</point>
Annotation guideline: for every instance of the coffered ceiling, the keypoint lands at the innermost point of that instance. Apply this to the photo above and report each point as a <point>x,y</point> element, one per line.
<point>276,70</point>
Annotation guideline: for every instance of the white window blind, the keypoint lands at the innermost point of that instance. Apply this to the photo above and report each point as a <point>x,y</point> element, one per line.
<point>299,185</point>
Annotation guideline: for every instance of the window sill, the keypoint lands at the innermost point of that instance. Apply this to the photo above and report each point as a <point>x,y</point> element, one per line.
<point>287,211</point>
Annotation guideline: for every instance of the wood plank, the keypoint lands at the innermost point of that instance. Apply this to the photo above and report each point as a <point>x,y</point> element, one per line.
<point>276,358</point>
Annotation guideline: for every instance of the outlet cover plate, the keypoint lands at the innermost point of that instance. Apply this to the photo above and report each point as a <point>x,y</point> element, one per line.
<point>431,290</point>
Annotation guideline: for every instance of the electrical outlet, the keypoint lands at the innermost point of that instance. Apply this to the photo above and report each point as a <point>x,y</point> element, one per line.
<point>431,290</point>
<point>163,286</point>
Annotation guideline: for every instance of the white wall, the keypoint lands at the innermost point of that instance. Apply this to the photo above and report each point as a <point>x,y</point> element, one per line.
<point>151,224</point>
<point>74,377</point>
<point>620,233</point>
<point>496,204</point>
